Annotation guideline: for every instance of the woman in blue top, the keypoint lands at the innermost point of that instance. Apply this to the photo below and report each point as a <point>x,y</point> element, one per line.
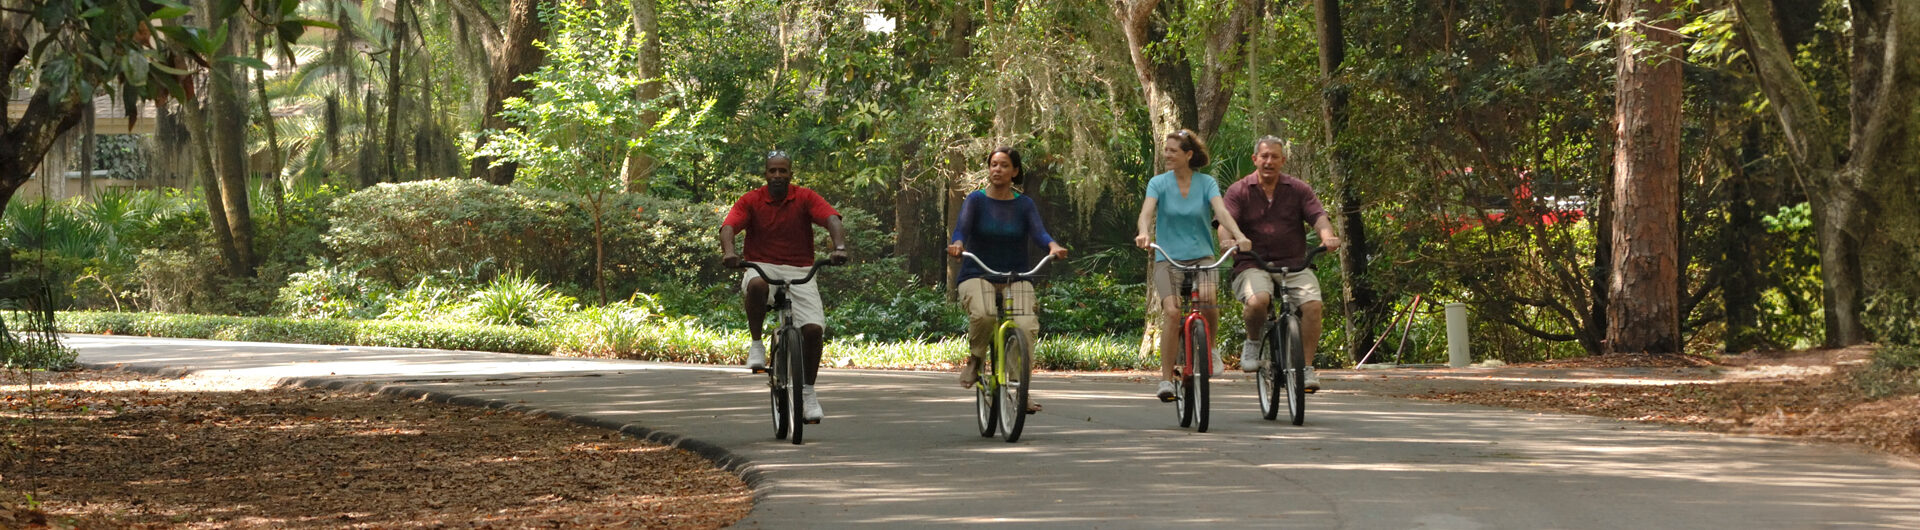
<point>996,224</point>
<point>1181,207</point>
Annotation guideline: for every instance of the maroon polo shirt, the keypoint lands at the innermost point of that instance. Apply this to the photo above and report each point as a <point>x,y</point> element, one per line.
<point>780,233</point>
<point>1277,226</point>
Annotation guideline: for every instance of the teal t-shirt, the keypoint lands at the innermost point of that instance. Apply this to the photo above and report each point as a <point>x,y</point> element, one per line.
<point>1183,225</point>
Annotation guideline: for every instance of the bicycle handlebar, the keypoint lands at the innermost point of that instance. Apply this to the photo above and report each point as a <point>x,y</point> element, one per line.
<point>817,265</point>
<point>990,271</point>
<point>1177,265</point>
<point>1263,264</point>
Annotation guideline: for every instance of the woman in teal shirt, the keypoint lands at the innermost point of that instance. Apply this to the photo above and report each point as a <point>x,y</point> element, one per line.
<point>1181,207</point>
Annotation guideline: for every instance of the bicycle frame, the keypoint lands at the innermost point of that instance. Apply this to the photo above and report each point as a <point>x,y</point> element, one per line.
<point>1191,301</point>
<point>1000,309</point>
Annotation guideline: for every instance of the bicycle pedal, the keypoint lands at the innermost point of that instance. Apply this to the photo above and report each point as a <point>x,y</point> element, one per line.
<point>811,422</point>
<point>1309,391</point>
<point>757,370</point>
<point>1169,399</point>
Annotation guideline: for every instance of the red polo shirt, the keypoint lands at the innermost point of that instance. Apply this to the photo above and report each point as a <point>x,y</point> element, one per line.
<point>780,233</point>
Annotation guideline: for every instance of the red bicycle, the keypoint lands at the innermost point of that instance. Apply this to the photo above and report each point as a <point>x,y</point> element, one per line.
<point>1190,390</point>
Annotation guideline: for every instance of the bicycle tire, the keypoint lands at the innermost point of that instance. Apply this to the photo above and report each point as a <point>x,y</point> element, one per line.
<point>778,389</point>
<point>1269,381</point>
<point>1017,363</point>
<point>1201,365</point>
<point>1296,373</point>
<point>986,402</point>
<point>795,368</point>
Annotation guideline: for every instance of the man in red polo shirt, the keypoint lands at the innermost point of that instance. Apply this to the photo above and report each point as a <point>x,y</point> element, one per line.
<point>779,219</point>
<point>1273,209</point>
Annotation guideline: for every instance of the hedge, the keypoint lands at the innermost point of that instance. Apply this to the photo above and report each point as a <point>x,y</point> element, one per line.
<point>388,333</point>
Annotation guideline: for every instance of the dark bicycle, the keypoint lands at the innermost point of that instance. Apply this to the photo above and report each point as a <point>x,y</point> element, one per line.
<point>1190,391</point>
<point>1000,395</point>
<point>786,363</point>
<point>1281,342</point>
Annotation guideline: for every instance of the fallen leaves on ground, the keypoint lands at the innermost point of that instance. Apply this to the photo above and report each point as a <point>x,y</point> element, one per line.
<point>113,449</point>
<point>1823,405</point>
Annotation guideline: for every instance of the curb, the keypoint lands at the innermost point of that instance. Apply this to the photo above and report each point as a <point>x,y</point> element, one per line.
<point>720,456</point>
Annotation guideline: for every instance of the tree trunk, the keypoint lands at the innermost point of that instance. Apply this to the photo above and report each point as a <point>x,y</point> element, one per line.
<point>515,56</point>
<point>1740,289</point>
<point>638,170</point>
<point>210,184</point>
<point>229,134</point>
<point>87,143</point>
<point>396,55</point>
<point>25,141</point>
<point>275,187</point>
<point>1359,298</point>
<point>1863,214</point>
<point>1644,313</point>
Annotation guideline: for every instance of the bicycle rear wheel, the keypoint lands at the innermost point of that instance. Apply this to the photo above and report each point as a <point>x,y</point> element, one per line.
<point>986,400</point>
<point>1269,382</point>
<point>1017,363</point>
<point>1296,372</point>
<point>793,364</point>
<point>1200,364</point>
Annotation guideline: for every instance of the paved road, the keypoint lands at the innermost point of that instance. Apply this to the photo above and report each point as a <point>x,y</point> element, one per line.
<point>900,449</point>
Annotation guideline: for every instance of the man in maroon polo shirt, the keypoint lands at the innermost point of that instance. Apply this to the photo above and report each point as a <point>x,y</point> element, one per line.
<point>778,219</point>
<point>1273,209</point>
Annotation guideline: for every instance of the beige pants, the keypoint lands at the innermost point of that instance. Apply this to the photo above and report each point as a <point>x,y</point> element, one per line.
<point>976,295</point>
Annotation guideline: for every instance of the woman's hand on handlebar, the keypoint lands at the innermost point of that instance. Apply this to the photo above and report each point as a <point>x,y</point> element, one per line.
<point>1057,251</point>
<point>1142,241</point>
<point>955,248</point>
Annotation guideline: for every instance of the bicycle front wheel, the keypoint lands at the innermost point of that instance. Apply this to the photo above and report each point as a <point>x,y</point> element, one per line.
<point>1269,382</point>
<point>1200,364</point>
<point>1017,363</point>
<point>793,364</point>
<point>1296,371</point>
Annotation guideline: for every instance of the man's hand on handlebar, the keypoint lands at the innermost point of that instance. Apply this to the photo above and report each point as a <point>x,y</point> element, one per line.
<point>732,262</point>
<point>1331,242</point>
<point>838,257</point>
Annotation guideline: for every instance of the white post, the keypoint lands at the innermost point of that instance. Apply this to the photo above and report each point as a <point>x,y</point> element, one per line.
<point>1458,355</point>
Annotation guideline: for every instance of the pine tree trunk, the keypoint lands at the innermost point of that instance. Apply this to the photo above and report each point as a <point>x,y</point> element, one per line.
<point>1644,297</point>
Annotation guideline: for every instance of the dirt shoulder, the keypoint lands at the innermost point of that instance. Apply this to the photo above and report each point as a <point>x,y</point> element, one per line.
<point>117,449</point>
<point>1809,394</point>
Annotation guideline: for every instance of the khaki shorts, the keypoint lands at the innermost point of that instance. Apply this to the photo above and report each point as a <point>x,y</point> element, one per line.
<point>807,308</point>
<point>1301,287</point>
<point>1166,280</point>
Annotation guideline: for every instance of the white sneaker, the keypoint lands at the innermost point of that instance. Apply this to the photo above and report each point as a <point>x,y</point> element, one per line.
<point>756,356</point>
<point>814,413</point>
<point>1166,391</point>
<point>1313,380</point>
<point>1250,356</point>
<point>1219,366</point>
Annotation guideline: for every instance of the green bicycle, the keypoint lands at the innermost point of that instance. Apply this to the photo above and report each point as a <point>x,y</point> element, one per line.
<point>1000,395</point>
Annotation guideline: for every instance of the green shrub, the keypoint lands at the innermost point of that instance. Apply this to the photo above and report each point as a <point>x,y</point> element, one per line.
<point>33,351</point>
<point>1092,304</point>
<point>429,300</point>
<point>516,300</point>
<point>1894,319</point>
<point>330,291</point>
<point>911,314</point>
